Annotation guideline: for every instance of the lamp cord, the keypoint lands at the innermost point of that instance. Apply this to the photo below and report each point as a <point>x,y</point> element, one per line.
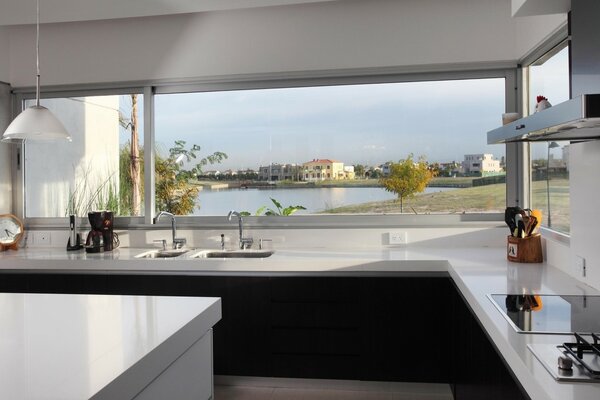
<point>37,55</point>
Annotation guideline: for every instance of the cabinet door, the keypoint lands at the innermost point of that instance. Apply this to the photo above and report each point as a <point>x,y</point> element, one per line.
<point>479,371</point>
<point>410,323</point>
<point>316,328</point>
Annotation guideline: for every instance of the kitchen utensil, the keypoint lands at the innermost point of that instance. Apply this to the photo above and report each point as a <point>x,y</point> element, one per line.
<point>538,216</point>
<point>74,242</point>
<point>509,218</point>
<point>518,232</point>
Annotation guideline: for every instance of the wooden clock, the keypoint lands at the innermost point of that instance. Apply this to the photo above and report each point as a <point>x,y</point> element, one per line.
<point>11,232</point>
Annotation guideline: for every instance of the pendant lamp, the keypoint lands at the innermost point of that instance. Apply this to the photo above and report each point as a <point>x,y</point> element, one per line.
<point>36,122</point>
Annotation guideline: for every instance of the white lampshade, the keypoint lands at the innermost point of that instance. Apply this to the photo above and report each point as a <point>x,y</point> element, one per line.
<point>35,123</point>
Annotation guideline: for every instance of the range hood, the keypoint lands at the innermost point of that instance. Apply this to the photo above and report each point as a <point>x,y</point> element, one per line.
<point>577,119</point>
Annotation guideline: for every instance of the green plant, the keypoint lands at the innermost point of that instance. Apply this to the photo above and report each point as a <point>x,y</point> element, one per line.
<point>280,210</point>
<point>87,196</point>
<point>175,191</point>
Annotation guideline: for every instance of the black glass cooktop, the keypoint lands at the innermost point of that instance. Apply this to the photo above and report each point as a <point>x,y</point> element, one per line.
<point>550,313</point>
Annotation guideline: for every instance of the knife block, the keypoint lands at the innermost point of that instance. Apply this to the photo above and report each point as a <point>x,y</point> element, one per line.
<point>525,250</point>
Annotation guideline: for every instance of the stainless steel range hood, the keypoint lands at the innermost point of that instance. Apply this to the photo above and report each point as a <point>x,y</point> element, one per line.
<point>578,118</point>
<point>575,119</point>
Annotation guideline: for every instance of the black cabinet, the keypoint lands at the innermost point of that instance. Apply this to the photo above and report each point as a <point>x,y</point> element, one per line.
<point>407,329</point>
<point>479,371</point>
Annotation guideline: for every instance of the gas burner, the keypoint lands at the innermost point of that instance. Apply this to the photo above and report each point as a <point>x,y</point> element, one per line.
<point>584,353</point>
<point>577,361</point>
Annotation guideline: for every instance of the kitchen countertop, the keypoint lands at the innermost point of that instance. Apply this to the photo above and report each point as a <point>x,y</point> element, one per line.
<point>72,347</point>
<point>476,271</point>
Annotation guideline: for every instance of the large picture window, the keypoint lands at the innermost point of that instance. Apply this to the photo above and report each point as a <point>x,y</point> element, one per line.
<point>327,148</point>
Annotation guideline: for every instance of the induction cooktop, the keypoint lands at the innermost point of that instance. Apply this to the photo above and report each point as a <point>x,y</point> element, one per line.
<point>556,314</point>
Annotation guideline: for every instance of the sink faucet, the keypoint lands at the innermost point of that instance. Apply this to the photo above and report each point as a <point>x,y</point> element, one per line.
<point>245,243</point>
<point>177,242</point>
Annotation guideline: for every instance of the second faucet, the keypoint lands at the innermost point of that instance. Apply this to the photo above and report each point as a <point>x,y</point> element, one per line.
<point>245,243</point>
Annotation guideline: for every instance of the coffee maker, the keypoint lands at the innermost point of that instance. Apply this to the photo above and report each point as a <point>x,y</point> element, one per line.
<point>101,237</point>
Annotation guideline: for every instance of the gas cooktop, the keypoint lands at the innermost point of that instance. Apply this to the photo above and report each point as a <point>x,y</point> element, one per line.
<point>576,361</point>
<point>553,314</point>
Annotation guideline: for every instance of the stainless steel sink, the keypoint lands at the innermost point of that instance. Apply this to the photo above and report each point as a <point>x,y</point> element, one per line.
<point>172,253</point>
<point>233,254</point>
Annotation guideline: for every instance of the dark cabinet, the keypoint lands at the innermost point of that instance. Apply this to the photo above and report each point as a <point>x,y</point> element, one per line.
<point>479,371</point>
<point>407,329</point>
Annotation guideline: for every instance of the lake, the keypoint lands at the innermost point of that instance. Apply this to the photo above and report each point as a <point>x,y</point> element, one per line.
<point>219,202</point>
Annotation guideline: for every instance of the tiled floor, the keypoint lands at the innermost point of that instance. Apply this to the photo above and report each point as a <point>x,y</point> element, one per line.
<point>243,388</point>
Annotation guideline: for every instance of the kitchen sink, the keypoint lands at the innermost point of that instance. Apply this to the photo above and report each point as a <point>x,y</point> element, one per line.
<point>233,254</point>
<point>172,253</point>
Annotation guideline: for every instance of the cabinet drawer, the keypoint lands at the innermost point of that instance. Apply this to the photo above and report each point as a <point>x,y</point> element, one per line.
<point>314,315</point>
<point>315,341</point>
<point>313,289</point>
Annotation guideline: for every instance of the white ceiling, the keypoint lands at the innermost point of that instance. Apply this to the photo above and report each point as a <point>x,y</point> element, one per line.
<point>17,12</point>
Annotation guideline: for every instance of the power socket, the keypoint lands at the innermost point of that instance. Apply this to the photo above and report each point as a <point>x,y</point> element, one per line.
<point>398,237</point>
<point>41,238</point>
<point>580,265</point>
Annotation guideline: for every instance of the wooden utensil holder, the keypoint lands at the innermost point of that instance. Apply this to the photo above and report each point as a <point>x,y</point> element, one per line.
<point>525,250</point>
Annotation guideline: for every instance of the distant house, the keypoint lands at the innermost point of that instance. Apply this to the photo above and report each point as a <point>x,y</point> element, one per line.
<point>280,172</point>
<point>386,168</point>
<point>481,165</point>
<point>349,172</point>
<point>323,169</point>
<point>212,173</point>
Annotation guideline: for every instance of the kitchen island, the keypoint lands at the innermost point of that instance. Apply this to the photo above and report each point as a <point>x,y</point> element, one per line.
<point>63,346</point>
<point>469,272</point>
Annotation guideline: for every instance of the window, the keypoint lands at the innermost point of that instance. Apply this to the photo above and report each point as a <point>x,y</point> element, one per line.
<point>362,126</point>
<point>93,171</point>
<point>549,77</point>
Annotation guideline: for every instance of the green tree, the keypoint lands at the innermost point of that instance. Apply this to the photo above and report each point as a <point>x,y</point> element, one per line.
<point>407,178</point>
<point>359,170</point>
<point>175,191</point>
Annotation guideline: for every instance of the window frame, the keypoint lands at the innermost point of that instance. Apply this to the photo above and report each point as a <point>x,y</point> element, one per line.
<point>517,185</point>
<point>554,44</point>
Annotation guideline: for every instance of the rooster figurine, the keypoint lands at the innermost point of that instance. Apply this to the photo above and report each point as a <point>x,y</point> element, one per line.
<point>542,104</point>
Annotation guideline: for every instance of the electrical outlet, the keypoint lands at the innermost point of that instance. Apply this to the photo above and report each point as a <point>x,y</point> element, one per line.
<point>41,238</point>
<point>397,238</point>
<point>580,265</point>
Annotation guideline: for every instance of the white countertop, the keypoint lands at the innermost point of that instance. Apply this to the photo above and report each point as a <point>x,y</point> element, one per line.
<point>70,347</point>
<point>477,271</point>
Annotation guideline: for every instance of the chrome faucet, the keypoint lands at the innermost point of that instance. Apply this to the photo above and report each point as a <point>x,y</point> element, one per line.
<point>177,242</point>
<point>245,243</point>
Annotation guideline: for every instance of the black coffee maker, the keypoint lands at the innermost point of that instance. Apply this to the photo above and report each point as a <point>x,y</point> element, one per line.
<point>101,237</point>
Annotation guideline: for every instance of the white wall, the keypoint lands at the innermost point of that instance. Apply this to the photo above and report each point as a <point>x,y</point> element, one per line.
<point>320,36</point>
<point>532,31</point>
<point>4,53</point>
<point>585,213</point>
<point>80,167</point>
<point>5,154</point>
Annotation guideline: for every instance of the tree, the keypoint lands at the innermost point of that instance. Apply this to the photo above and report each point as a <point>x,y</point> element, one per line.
<point>175,191</point>
<point>407,177</point>
<point>134,178</point>
<point>359,170</point>
<point>126,198</point>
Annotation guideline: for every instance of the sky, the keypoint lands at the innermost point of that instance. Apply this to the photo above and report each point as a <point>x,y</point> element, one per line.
<point>356,124</point>
<point>366,124</point>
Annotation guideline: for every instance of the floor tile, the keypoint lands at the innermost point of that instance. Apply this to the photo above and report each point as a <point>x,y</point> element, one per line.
<point>313,394</point>
<point>242,393</point>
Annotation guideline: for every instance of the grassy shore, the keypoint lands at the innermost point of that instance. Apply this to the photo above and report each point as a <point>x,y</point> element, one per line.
<point>491,198</point>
